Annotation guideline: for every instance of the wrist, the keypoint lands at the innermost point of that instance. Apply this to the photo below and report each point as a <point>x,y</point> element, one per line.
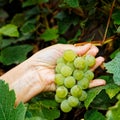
<point>25,81</point>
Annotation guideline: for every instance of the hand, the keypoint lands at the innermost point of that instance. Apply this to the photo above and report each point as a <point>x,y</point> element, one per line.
<point>44,63</point>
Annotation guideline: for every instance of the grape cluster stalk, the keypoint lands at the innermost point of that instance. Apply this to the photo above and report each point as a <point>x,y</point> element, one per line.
<point>72,78</point>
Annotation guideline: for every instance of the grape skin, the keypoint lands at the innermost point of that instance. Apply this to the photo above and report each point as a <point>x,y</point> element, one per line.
<point>89,75</point>
<point>72,78</point>
<point>65,107</point>
<point>69,55</point>
<point>83,97</point>
<point>59,79</point>
<point>66,71</point>
<point>69,82</point>
<point>73,101</point>
<point>90,60</point>
<point>80,63</point>
<point>61,91</point>
<point>76,91</point>
<point>78,74</point>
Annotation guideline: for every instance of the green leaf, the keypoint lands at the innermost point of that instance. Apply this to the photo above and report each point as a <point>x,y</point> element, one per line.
<point>27,27</point>
<point>112,90</point>
<point>92,93</point>
<point>18,19</point>
<point>118,30</point>
<point>45,109</point>
<point>114,112</point>
<point>114,53</point>
<point>72,3</point>
<point>33,2</point>
<point>94,115</point>
<point>7,101</point>
<point>15,54</point>
<point>114,68</point>
<point>116,17</point>
<point>9,30</point>
<point>50,34</point>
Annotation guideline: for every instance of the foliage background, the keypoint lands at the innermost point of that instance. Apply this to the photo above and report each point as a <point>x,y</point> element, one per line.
<point>27,26</point>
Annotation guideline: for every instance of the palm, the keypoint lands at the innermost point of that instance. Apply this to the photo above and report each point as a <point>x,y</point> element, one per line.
<point>45,61</point>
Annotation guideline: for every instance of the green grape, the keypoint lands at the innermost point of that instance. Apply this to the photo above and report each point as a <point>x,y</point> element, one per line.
<point>84,83</point>
<point>58,67</point>
<point>61,60</point>
<point>69,82</point>
<point>73,101</point>
<point>59,79</point>
<point>65,107</point>
<point>71,65</point>
<point>89,75</point>
<point>90,60</point>
<point>61,91</point>
<point>80,63</point>
<point>66,71</point>
<point>59,100</point>
<point>78,74</point>
<point>76,91</point>
<point>83,97</point>
<point>69,55</point>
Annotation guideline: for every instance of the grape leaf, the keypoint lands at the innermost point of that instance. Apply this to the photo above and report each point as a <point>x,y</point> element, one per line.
<point>92,93</point>
<point>114,68</point>
<point>114,112</point>
<point>112,90</point>
<point>94,115</point>
<point>7,101</point>
<point>50,34</point>
<point>72,3</point>
<point>9,30</point>
<point>44,109</point>
<point>15,54</point>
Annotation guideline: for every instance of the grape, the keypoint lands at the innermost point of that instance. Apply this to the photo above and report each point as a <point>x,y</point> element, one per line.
<point>83,97</point>
<point>58,67</point>
<point>59,100</point>
<point>78,74</point>
<point>84,83</point>
<point>80,63</point>
<point>76,91</point>
<point>69,55</point>
<point>90,60</point>
<point>72,78</point>
<point>71,65</point>
<point>61,60</point>
<point>61,92</point>
<point>69,82</point>
<point>65,107</point>
<point>73,101</point>
<point>59,79</point>
<point>89,75</point>
<point>66,71</point>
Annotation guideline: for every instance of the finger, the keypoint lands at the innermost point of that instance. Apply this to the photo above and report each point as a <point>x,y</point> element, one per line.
<point>93,51</point>
<point>99,61</point>
<point>97,82</point>
<point>80,50</point>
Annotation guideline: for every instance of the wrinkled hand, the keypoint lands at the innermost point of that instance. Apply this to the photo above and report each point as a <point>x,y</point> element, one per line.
<point>44,63</point>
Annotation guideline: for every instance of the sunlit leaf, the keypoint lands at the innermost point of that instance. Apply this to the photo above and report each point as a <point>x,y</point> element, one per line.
<point>9,30</point>
<point>114,68</point>
<point>50,34</point>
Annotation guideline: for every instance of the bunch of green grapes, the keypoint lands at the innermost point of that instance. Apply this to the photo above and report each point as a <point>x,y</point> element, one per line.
<point>72,78</point>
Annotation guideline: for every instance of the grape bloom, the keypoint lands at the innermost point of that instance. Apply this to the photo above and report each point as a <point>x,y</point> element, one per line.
<point>72,78</point>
